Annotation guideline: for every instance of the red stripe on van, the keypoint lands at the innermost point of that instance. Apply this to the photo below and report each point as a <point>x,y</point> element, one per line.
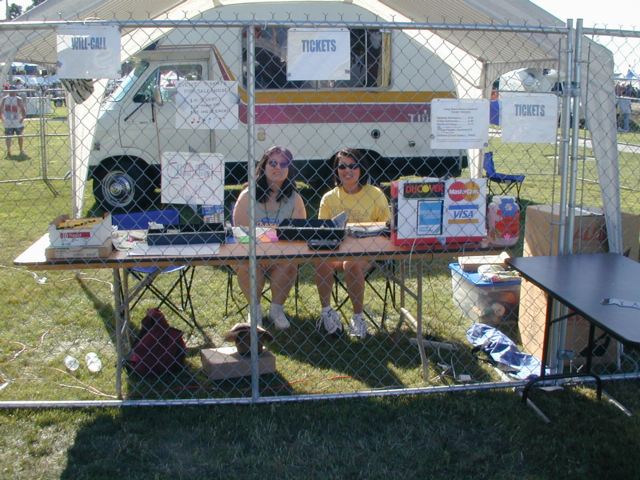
<point>333,113</point>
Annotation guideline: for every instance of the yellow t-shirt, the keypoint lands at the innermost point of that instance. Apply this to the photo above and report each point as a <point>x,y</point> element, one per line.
<point>368,205</point>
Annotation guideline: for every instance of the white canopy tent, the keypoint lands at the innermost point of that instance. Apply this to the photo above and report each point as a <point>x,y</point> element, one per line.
<point>485,55</point>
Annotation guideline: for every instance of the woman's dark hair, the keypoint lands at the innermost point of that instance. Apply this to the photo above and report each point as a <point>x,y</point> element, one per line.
<point>262,187</point>
<point>357,156</point>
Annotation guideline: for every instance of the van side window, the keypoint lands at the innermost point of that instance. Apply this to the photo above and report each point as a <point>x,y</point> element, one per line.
<point>370,60</point>
<point>165,78</point>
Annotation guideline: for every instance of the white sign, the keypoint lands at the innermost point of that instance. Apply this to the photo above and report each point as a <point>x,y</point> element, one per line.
<point>88,52</point>
<point>459,123</point>
<point>192,178</point>
<point>207,105</point>
<point>529,117</point>
<point>429,210</point>
<point>318,54</point>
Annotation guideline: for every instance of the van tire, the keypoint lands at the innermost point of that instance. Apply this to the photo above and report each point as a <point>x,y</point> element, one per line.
<point>123,185</point>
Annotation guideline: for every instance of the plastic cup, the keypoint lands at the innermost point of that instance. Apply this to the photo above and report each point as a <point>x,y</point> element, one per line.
<point>93,362</point>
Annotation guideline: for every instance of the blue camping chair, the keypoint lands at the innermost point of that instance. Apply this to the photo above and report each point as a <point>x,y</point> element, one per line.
<point>146,275</point>
<point>502,181</point>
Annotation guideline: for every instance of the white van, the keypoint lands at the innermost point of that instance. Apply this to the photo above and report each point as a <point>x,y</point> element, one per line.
<point>383,109</point>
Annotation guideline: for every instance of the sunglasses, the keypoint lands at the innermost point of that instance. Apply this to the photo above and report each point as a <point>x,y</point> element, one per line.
<point>350,166</point>
<point>274,164</point>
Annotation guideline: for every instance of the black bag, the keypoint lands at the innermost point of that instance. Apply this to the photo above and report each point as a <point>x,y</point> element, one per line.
<point>159,349</point>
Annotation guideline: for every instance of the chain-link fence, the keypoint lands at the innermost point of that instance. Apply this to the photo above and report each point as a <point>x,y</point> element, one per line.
<point>184,140</point>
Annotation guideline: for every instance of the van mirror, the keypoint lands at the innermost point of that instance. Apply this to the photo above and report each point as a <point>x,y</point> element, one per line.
<point>141,98</point>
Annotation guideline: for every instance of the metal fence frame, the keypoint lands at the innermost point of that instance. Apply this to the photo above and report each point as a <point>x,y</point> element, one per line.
<point>568,158</point>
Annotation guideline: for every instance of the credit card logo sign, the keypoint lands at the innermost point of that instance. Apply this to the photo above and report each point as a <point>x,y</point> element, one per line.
<point>423,190</point>
<point>461,191</point>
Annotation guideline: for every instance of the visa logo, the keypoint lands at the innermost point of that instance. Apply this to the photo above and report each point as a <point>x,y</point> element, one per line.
<point>462,214</point>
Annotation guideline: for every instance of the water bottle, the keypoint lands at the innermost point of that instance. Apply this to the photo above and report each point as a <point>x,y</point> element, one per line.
<point>93,362</point>
<point>71,363</point>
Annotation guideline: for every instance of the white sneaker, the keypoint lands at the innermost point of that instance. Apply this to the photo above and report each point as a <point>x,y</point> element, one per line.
<point>278,317</point>
<point>358,327</point>
<point>259,322</point>
<point>330,320</point>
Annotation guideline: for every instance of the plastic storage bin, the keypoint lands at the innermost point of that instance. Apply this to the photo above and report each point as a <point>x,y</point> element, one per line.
<point>492,303</point>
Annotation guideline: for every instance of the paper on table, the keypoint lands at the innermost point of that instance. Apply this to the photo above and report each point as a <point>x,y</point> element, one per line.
<point>263,234</point>
<point>144,250</point>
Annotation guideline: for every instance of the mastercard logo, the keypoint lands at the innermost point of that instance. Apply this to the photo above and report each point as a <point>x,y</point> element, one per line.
<point>459,191</point>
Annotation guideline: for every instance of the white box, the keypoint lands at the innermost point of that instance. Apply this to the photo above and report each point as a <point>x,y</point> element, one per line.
<point>80,232</point>
<point>225,362</point>
<point>84,252</point>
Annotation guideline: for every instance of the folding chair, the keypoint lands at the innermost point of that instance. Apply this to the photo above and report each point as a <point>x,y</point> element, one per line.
<point>389,294</point>
<point>504,182</point>
<point>147,275</point>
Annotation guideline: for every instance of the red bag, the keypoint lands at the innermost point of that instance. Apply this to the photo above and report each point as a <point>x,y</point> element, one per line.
<point>160,348</point>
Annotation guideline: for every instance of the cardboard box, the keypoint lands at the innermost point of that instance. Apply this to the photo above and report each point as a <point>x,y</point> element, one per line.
<point>492,303</point>
<point>225,362</point>
<point>66,253</point>
<point>80,232</point>
<point>531,320</point>
<point>589,236</point>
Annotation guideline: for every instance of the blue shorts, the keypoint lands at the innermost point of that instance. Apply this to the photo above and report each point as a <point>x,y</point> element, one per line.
<point>13,131</point>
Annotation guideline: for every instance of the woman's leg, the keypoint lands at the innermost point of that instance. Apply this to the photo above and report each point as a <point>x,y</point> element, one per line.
<point>282,276</point>
<point>244,281</point>
<point>324,281</point>
<point>354,274</point>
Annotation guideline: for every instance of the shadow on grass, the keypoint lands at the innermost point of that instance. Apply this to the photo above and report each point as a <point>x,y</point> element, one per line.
<point>104,310</point>
<point>480,435</point>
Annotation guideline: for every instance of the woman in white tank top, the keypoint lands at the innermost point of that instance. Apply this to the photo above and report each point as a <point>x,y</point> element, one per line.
<point>277,198</point>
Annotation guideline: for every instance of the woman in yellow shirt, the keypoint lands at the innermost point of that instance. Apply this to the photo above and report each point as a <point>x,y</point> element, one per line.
<point>363,203</point>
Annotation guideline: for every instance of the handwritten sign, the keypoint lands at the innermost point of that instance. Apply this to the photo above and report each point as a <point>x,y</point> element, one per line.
<point>207,105</point>
<point>192,178</point>
<point>88,52</point>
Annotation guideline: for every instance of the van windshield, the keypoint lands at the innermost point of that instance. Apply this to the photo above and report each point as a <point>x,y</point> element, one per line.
<point>123,85</point>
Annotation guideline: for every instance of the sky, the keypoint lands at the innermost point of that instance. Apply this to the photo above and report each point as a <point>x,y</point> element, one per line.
<point>616,14</point>
<point>598,13</point>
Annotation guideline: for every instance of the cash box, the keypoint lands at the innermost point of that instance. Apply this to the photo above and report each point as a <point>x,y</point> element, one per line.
<point>310,230</point>
<point>187,234</point>
<point>484,301</point>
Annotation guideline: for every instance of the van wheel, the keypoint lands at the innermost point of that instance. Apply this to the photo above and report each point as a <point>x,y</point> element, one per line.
<point>122,186</point>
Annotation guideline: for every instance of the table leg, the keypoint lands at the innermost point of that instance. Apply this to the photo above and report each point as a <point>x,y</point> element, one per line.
<point>118,294</point>
<point>420,336</point>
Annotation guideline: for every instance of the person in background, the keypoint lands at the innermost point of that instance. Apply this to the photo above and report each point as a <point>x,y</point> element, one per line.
<point>363,203</point>
<point>13,113</point>
<point>624,107</point>
<point>277,198</point>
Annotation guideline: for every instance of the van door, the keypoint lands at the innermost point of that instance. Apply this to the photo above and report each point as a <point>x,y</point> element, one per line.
<point>151,126</point>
